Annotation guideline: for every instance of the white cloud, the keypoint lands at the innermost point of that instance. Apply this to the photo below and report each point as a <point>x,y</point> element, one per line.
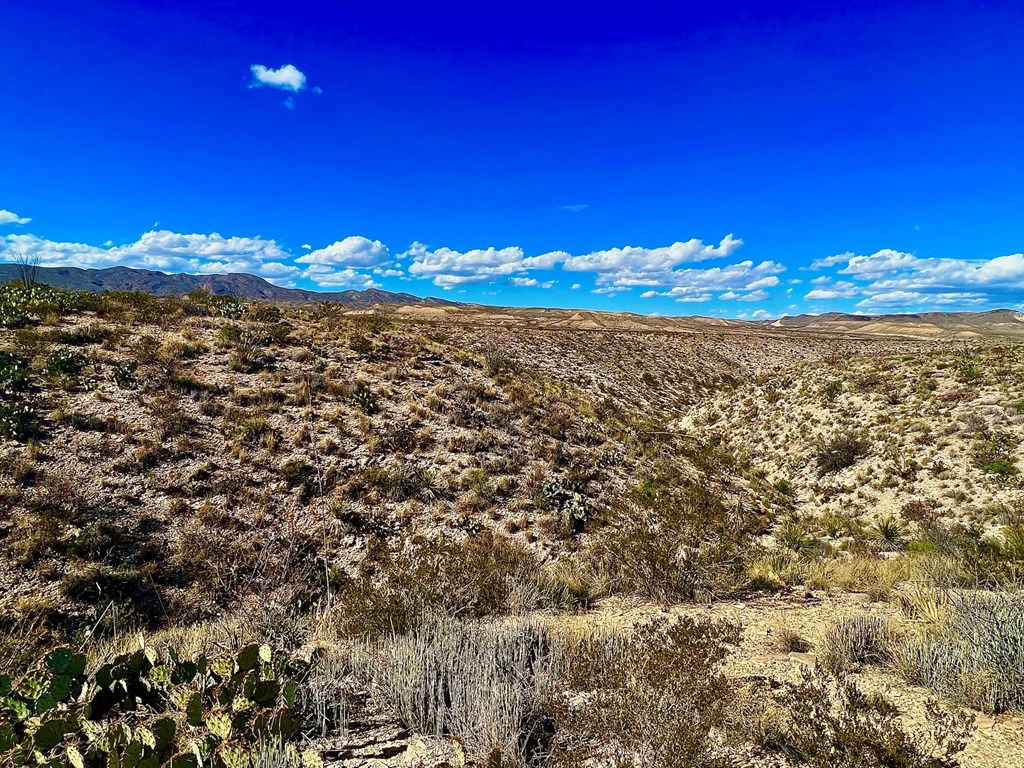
<point>619,267</point>
<point>353,251</point>
<point>163,251</point>
<point>889,276</point>
<point>733,296</point>
<point>651,259</point>
<point>904,300</point>
<point>287,78</point>
<point>830,261</point>
<point>8,217</point>
<point>530,282</point>
<point>306,247</point>
<point>841,289</point>
<point>879,263</point>
<point>328,277</point>
<point>764,282</point>
<point>760,314</point>
<point>577,208</point>
<point>449,267</point>
<point>735,277</point>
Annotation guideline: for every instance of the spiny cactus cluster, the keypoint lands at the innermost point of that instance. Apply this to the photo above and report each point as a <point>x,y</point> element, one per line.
<point>142,710</point>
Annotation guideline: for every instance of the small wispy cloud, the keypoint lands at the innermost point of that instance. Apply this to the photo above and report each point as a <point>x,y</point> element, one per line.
<point>8,217</point>
<point>287,78</point>
<point>574,208</point>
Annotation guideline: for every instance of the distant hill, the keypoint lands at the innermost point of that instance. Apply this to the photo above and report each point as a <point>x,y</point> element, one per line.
<point>1006,322</point>
<point>239,284</point>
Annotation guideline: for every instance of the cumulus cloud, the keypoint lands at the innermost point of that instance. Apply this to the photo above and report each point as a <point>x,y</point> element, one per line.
<point>830,261</point>
<point>764,282</point>
<point>448,267</point>
<point>287,78</point>
<point>841,289</point>
<point>329,277</point>
<point>8,217</point>
<point>162,250</point>
<point>638,259</point>
<point>618,268</point>
<point>902,300</point>
<point>530,282</point>
<point>353,251</point>
<point>753,296</point>
<point>888,277</point>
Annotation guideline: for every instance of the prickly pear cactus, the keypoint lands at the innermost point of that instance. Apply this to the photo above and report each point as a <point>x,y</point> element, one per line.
<point>141,710</point>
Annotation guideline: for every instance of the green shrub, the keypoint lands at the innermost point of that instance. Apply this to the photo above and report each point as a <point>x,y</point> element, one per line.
<point>889,532</point>
<point>19,419</point>
<point>123,374</point>
<point>840,451</point>
<point>968,369</point>
<point>396,481</point>
<point>66,363</point>
<point>360,394</point>
<point>795,537</point>
<point>249,351</point>
<point>680,543</point>
<point>996,454</point>
<point>21,305</point>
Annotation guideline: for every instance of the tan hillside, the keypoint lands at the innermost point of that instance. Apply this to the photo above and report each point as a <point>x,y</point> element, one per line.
<point>451,525</point>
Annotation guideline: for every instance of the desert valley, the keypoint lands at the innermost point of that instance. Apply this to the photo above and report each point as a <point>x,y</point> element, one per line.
<point>281,533</point>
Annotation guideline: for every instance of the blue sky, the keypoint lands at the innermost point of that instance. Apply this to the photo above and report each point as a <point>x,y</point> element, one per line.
<point>729,159</point>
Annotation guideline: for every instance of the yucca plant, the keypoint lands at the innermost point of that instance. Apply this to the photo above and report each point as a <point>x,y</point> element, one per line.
<point>794,536</point>
<point>890,532</point>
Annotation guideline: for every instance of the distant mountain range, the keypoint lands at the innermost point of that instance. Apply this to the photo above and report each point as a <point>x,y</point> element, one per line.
<point>999,322</point>
<point>239,284</point>
<point>923,324</point>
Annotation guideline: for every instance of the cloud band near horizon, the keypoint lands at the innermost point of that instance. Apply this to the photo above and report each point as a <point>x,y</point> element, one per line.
<point>886,280</point>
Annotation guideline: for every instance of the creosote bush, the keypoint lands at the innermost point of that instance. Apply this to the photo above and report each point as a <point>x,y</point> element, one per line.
<point>652,697</point>
<point>825,721</point>
<point>483,575</point>
<point>675,542</point>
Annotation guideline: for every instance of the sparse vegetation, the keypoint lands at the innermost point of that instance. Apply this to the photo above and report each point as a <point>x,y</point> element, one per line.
<point>515,544</point>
